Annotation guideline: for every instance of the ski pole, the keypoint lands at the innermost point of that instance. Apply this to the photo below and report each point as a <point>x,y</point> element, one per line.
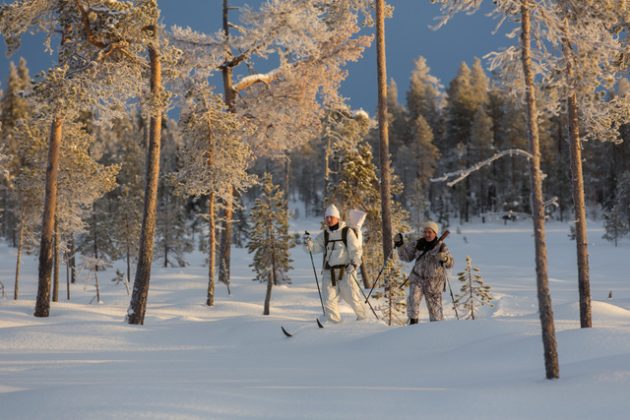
<point>452,297</point>
<point>366,299</point>
<point>379,275</point>
<point>315,272</point>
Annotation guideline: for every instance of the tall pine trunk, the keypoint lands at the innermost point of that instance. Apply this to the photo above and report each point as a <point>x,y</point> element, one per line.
<point>226,239</point>
<point>138,304</point>
<point>42,306</point>
<point>72,260</point>
<point>272,278</point>
<point>55,295</point>
<point>544,298</point>
<point>16,288</point>
<point>211,249</point>
<point>577,187</point>
<point>229,98</point>
<point>386,208</point>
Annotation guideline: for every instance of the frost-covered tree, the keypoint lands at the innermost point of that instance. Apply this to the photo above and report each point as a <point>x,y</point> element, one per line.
<point>213,159</point>
<point>311,41</point>
<point>418,161</point>
<point>474,292</point>
<point>99,43</point>
<point>517,63</point>
<point>269,238</point>
<point>617,219</point>
<point>354,183</point>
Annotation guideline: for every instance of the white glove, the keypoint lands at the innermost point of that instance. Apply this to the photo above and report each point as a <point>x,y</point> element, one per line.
<point>308,242</point>
<point>351,268</point>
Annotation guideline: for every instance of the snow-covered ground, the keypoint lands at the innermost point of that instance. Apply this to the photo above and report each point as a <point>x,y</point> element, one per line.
<point>230,362</point>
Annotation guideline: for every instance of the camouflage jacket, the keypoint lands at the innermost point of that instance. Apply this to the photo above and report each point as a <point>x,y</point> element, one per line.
<point>428,270</point>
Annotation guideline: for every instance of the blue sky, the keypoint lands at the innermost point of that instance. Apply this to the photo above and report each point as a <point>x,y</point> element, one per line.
<point>408,36</point>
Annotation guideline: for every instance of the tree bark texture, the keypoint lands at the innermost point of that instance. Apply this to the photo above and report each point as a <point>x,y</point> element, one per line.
<point>16,288</point>
<point>386,208</point>
<point>212,242</point>
<point>42,306</point>
<point>577,187</point>
<point>137,307</point>
<point>55,295</point>
<point>544,298</point>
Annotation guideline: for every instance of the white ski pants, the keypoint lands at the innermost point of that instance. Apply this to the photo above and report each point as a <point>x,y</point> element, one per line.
<point>346,287</point>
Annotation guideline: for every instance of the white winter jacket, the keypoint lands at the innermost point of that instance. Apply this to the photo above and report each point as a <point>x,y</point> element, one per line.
<point>336,254</point>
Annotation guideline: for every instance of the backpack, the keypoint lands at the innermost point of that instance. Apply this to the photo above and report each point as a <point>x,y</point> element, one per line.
<point>355,221</point>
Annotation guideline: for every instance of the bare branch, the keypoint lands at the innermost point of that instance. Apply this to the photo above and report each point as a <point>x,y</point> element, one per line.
<point>464,173</point>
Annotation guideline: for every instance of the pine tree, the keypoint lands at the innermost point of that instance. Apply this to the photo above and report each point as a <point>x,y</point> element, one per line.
<point>617,219</point>
<point>354,183</point>
<point>269,237</point>
<point>474,293</point>
<point>417,163</point>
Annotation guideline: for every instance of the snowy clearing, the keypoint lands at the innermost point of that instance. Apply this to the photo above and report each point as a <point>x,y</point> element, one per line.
<point>230,362</point>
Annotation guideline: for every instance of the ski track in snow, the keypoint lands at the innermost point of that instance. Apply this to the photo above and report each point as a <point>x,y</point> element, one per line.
<point>230,362</point>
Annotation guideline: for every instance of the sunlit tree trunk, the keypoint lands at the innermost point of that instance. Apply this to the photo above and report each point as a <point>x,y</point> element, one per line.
<point>42,306</point>
<point>538,214</point>
<point>383,134</point>
<point>137,307</point>
<point>16,288</point>
<point>577,187</point>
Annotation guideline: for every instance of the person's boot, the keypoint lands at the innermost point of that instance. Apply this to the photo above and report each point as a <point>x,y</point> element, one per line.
<point>413,321</point>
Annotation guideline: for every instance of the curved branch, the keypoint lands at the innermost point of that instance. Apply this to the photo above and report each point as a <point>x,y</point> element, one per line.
<point>464,173</point>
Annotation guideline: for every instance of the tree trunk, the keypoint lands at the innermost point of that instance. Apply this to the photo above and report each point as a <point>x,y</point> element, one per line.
<point>229,99</point>
<point>386,208</point>
<point>211,249</point>
<point>16,288</point>
<point>55,295</point>
<point>226,239</point>
<point>67,277</point>
<point>383,130</point>
<point>128,246</point>
<point>544,298</point>
<point>98,289</point>
<point>364,276</point>
<point>577,187</point>
<point>272,278</point>
<point>138,304</point>
<point>72,260</point>
<point>42,306</point>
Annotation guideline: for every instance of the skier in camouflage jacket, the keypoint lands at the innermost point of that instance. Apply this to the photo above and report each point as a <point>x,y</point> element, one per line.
<point>428,276</point>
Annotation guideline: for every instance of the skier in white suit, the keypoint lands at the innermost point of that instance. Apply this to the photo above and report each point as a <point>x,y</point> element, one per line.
<point>342,256</point>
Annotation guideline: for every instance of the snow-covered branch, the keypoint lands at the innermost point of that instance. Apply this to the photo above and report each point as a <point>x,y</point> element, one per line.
<point>464,173</point>
<point>247,81</point>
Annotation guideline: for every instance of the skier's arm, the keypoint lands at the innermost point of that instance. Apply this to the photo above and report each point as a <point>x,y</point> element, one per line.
<point>407,252</point>
<point>445,256</point>
<point>318,244</point>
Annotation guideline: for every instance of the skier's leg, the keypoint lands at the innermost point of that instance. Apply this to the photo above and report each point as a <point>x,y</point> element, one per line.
<point>350,292</point>
<point>413,300</point>
<point>434,305</point>
<point>330,295</point>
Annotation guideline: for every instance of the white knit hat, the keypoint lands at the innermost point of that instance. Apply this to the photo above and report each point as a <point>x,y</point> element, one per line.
<point>333,211</point>
<point>433,226</point>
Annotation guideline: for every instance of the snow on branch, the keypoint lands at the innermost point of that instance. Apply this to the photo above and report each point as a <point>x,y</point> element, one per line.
<point>464,173</point>
<point>247,81</point>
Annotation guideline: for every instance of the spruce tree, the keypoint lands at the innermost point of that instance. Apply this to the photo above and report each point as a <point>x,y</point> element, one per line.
<point>269,238</point>
<point>617,219</point>
<point>474,293</point>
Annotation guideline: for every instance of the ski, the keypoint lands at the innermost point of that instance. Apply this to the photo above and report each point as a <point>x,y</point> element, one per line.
<point>288,334</point>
